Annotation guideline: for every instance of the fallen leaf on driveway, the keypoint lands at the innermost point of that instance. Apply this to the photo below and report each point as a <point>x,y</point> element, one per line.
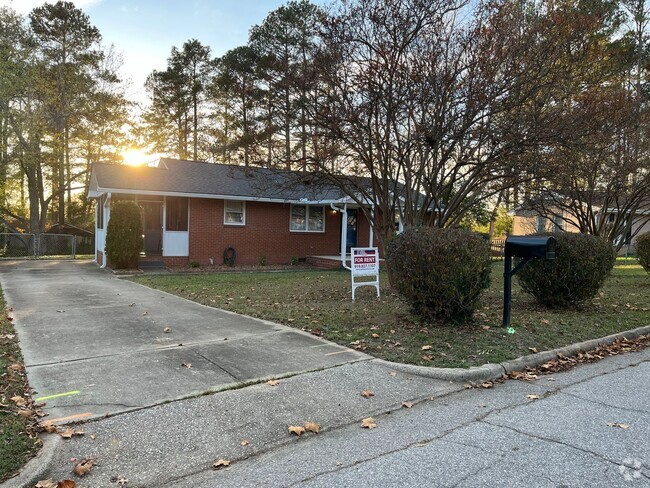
<point>244,442</point>
<point>312,427</point>
<point>122,481</point>
<point>69,432</point>
<point>367,393</point>
<point>407,404</point>
<point>368,423</point>
<point>84,467</point>
<point>45,484</point>
<point>187,365</point>
<point>167,330</point>
<point>296,429</point>
<point>220,463</point>
<point>532,397</point>
<point>619,425</point>
<point>66,484</point>
<point>273,382</point>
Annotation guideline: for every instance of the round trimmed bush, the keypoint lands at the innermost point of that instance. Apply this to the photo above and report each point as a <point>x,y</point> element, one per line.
<point>440,272</point>
<point>124,235</point>
<point>583,262</point>
<point>643,250</point>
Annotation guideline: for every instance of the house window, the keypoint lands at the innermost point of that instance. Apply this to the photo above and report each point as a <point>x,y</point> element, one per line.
<point>305,218</point>
<point>541,224</point>
<point>100,212</point>
<point>234,212</point>
<point>558,222</point>
<point>176,214</point>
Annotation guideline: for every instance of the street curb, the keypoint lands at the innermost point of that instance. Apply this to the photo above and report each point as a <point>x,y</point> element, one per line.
<point>492,371</point>
<point>37,467</point>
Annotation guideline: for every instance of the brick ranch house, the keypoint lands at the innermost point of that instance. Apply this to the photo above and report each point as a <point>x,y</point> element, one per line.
<point>195,211</point>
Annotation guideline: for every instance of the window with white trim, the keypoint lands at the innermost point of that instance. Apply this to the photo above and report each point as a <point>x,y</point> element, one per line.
<point>558,222</point>
<point>234,212</point>
<point>307,218</point>
<point>541,224</point>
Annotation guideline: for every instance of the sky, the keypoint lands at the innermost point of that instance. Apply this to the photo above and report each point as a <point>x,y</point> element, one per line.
<point>144,31</point>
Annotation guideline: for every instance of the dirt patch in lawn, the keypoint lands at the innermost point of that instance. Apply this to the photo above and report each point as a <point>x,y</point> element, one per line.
<point>320,302</point>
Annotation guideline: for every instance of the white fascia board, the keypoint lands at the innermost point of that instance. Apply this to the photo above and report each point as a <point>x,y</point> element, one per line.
<point>215,197</point>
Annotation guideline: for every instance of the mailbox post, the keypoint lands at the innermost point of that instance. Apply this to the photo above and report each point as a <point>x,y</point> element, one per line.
<point>527,248</point>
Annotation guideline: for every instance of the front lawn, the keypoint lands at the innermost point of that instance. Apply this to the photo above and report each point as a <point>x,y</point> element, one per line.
<point>320,301</point>
<point>18,441</point>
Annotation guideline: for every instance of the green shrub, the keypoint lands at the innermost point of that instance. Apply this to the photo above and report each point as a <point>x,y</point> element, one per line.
<point>579,270</point>
<point>194,264</point>
<point>124,235</point>
<point>440,272</point>
<point>643,250</point>
<point>262,260</point>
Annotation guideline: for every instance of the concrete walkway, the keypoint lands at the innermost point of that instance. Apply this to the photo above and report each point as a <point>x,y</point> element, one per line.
<point>94,344</point>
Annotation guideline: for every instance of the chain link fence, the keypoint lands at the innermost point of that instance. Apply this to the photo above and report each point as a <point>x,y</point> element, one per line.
<point>16,245</point>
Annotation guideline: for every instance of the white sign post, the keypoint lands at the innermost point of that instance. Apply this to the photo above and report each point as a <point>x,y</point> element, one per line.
<point>365,264</point>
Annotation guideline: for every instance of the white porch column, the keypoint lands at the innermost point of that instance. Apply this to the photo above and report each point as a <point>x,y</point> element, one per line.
<point>344,233</point>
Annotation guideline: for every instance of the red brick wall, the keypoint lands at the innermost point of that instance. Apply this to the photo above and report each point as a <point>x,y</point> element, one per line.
<point>175,261</point>
<point>266,233</point>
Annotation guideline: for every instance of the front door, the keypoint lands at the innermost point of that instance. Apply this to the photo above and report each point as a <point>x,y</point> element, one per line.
<point>152,226</point>
<point>353,219</point>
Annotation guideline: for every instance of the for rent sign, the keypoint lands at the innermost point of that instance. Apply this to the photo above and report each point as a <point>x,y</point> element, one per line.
<point>365,263</point>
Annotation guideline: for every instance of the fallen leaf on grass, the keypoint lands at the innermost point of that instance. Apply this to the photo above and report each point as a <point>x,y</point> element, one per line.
<point>367,393</point>
<point>533,350</point>
<point>368,423</point>
<point>312,427</point>
<point>296,429</point>
<point>545,321</point>
<point>26,413</point>
<point>15,368</point>
<point>220,463</point>
<point>84,467</point>
<point>167,330</point>
<point>619,425</point>
<point>426,348</point>
<point>485,327</point>
<point>532,397</point>
<point>407,404</point>
<point>375,336</point>
<point>18,400</point>
<point>187,365</point>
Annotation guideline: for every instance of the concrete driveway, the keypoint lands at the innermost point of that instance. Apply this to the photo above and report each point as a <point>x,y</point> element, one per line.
<point>94,344</point>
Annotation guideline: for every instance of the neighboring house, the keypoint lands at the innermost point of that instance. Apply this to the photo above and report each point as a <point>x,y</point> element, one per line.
<point>529,221</point>
<point>195,211</point>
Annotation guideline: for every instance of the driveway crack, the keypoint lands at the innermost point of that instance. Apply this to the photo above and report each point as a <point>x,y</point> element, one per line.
<point>213,363</point>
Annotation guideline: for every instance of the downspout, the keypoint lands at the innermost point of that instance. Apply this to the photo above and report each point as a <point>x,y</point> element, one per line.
<point>107,215</point>
<point>344,232</point>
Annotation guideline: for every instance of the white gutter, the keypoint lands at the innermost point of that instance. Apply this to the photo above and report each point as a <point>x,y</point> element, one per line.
<point>99,191</point>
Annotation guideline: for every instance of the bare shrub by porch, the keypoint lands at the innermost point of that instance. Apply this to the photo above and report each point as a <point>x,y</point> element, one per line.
<point>124,235</point>
<point>440,272</point>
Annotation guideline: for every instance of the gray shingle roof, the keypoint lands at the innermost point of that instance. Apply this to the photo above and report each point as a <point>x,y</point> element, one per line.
<point>192,177</point>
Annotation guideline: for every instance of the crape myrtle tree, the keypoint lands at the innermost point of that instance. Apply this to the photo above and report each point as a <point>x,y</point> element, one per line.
<point>599,179</point>
<point>430,107</point>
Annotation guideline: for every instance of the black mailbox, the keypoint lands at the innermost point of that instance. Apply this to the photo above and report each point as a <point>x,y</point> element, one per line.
<point>527,248</point>
<point>542,247</point>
